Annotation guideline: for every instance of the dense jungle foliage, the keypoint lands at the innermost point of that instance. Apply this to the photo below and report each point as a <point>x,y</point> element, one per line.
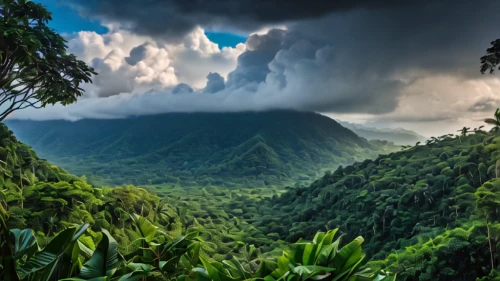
<point>55,226</point>
<point>429,212</point>
<point>250,149</point>
<point>46,199</point>
<point>415,207</point>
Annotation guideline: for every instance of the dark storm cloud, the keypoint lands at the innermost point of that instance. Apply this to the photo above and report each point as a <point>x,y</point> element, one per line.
<point>253,64</point>
<point>405,63</point>
<point>136,54</point>
<point>182,88</point>
<point>215,83</point>
<point>360,60</point>
<point>446,35</point>
<point>485,104</point>
<point>174,18</point>
<point>390,51</point>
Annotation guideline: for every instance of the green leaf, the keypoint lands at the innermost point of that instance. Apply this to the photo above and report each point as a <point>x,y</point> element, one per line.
<point>308,255</point>
<point>325,252</point>
<point>85,250</point>
<point>140,266</point>
<point>212,272</point>
<point>266,267</point>
<point>328,238</point>
<point>310,271</point>
<point>104,261</point>
<point>347,257</point>
<point>145,227</point>
<point>25,243</point>
<point>49,256</point>
<point>80,232</point>
<point>132,276</point>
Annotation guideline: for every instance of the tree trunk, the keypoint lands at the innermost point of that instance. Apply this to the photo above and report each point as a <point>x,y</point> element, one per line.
<point>491,249</point>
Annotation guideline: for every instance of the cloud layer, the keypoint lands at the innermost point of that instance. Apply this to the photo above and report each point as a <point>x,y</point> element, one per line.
<point>173,19</point>
<point>416,62</point>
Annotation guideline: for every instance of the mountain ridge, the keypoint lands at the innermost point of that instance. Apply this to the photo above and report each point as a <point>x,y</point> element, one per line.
<point>399,135</point>
<point>264,147</point>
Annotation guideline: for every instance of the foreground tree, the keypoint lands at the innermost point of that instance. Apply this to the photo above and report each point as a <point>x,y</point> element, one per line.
<point>494,121</point>
<point>35,69</point>
<point>492,58</point>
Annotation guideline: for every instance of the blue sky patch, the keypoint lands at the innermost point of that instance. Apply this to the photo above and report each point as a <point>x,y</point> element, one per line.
<point>67,20</point>
<point>225,39</point>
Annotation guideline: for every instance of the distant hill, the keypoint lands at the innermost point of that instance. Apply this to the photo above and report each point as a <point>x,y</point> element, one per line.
<point>397,136</point>
<point>225,149</point>
<point>421,211</point>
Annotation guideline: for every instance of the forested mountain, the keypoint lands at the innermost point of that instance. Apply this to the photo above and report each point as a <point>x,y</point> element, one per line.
<point>427,213</point>
<point>45,198</point>
<point>54,225</point>
<point>397,136</point>
<point>424,210</point>
<point>199,149</point>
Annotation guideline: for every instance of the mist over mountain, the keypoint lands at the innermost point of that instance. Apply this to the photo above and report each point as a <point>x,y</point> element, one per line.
<point>252,148</point>
<point>398,136</point>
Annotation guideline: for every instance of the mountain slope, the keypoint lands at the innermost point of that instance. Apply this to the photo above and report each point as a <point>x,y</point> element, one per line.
<point>398,136</point>
<point>198,148</point>
<point>19,165</point>
<point>37,195</point>
<point>422,201</point>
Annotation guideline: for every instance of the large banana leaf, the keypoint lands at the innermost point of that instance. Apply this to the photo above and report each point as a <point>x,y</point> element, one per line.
<point>43,263</point>
<point>221,272</point>
<point>24,243</point>
<point>104,261</point>
<point>236,270</point>
<point>145,228</point>
<point>266,267</point>
<point>349,256</point>
<point>187,261</point>
<point>139,271</point>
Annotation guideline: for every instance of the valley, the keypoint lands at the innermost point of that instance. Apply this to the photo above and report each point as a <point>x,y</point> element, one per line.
<point>424,200</point>
<point>251,149</point>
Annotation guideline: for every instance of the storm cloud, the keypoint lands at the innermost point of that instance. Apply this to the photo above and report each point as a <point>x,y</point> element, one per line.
<point>393,61</point>
<point>176,18</point>
<point>215,83</point>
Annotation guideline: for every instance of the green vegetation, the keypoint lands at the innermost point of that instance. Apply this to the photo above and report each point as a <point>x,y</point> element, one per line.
<point>59,221</point>
<point>429,212</point>
<point>415,207</point>
<point>427,208</point>
<point>72,255</point>
<point>423,211</point>
<point>45,198</point>
<point>35,69</point>
<point>250,149</point>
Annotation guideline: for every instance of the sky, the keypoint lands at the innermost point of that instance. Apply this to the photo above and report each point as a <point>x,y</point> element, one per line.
<point>411,64</point>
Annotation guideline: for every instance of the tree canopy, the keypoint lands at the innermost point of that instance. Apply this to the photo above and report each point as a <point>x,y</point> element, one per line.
<point>492,58</point>
<point>35,69</point>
